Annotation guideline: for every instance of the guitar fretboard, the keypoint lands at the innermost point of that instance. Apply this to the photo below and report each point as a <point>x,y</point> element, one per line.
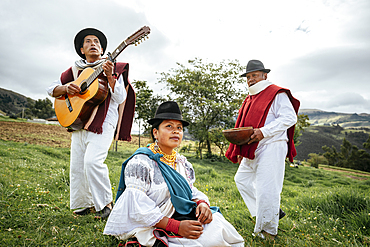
<point>135,38</point>
<point>99,69</point>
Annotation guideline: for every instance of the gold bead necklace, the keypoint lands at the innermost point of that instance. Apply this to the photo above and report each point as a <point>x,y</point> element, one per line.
<point>166,158</point>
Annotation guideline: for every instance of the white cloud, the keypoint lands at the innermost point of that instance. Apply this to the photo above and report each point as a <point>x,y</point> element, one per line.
<point>319,49</point>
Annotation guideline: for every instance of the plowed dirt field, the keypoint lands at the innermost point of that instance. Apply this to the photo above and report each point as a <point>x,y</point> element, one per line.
<point>47,134</point>
<point>35,133</point>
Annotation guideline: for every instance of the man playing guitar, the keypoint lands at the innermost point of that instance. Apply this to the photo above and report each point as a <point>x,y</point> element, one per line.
<point>90,188</point>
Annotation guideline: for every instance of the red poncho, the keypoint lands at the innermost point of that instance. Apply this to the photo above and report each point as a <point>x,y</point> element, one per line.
<point>126,110</point>
<point>253,113</point>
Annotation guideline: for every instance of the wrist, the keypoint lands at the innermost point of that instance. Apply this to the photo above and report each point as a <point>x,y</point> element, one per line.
<point>202,201</point>
<point>111,79</point>
<point>173,226</point>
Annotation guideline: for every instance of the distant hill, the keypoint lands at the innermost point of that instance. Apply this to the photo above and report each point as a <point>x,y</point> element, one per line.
<point>16,105</point>
<point>12,103</point>
<point>345,120</point>
<point>327,128</point>
<point>315,137</point>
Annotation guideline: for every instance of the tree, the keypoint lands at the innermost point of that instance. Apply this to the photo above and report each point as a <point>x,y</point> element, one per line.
<point>28,112</point>
<point>302,122</point>
<point>345,151</point>
<point>367,143</point>
<point>146,102</point>
<point>358,159</point>
<point>208,95</point>
<point>331,155</point>
<point>316,159</point>
<point>219,140</point>
<point>363,163</point>
<point>42,108</point>
<point>350,156</point>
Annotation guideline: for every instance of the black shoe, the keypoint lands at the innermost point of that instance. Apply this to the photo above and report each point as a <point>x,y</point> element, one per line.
<point>84,211</point>
<point>104,213</point>
<point>281,214</point>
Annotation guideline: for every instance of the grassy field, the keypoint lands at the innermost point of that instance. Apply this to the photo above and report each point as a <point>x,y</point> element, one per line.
<point>324,208</point>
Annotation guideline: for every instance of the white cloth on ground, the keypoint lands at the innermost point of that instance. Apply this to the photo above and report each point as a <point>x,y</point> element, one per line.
<point>217,233</point>
<point>146,201</point>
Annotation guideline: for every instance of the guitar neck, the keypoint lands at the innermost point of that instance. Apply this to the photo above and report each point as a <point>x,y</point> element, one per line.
<point>99,69</point>
<point>135,38</point>
<point>118,50</point>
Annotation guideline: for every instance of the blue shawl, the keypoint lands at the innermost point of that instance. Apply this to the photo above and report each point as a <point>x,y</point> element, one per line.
<point>179,188</point>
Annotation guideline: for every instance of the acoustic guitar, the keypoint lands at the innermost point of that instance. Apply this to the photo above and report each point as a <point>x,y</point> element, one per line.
<point>73,111</point>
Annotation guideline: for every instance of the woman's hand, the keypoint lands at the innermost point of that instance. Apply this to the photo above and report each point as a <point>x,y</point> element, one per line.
<point>191,229</point>
<point>203,213</point>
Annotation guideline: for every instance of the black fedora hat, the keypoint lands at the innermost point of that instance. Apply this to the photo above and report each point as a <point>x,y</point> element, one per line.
<point>168,110</point>
<point>255,65</point>
<point>79,39</point>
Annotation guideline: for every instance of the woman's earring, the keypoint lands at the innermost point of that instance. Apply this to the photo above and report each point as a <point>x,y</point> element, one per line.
<point>156,147</point>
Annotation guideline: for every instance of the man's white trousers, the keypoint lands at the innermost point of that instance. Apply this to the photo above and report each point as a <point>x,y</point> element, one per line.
<point>260,182</point>
<point>89,176</point>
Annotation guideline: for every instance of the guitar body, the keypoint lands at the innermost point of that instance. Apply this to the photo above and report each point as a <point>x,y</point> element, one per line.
<point>73,111</point>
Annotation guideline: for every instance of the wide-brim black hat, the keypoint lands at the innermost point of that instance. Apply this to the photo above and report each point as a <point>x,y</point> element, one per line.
<point>79,39</point>
<point>168,110</point>
<point>255,65</point>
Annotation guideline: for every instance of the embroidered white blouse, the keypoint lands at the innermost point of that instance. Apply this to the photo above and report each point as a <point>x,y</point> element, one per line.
<point>146,195</point>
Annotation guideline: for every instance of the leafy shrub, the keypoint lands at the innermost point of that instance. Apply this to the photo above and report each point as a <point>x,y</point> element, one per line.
<point>186,148</point>
<point>316,159</point>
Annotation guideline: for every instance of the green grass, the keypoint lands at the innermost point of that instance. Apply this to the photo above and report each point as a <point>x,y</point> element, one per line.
<point>324,208</point>
<point>8,119</point>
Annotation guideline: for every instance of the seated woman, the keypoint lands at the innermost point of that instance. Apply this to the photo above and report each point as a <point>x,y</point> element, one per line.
<point>157,203</point>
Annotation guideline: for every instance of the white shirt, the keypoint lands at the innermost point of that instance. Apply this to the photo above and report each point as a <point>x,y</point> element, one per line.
<point>280,117</point>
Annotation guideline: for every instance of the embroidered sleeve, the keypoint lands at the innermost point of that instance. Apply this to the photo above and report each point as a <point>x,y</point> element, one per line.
<point>137,173</point>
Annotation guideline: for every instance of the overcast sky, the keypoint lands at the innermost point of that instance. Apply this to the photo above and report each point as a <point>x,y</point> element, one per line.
<point>319,49</point>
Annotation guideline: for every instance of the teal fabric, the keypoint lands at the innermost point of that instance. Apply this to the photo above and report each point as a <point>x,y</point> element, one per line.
<point>177,185</point>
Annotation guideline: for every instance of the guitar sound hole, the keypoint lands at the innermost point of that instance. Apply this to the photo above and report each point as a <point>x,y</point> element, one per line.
<point>83,87</point>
